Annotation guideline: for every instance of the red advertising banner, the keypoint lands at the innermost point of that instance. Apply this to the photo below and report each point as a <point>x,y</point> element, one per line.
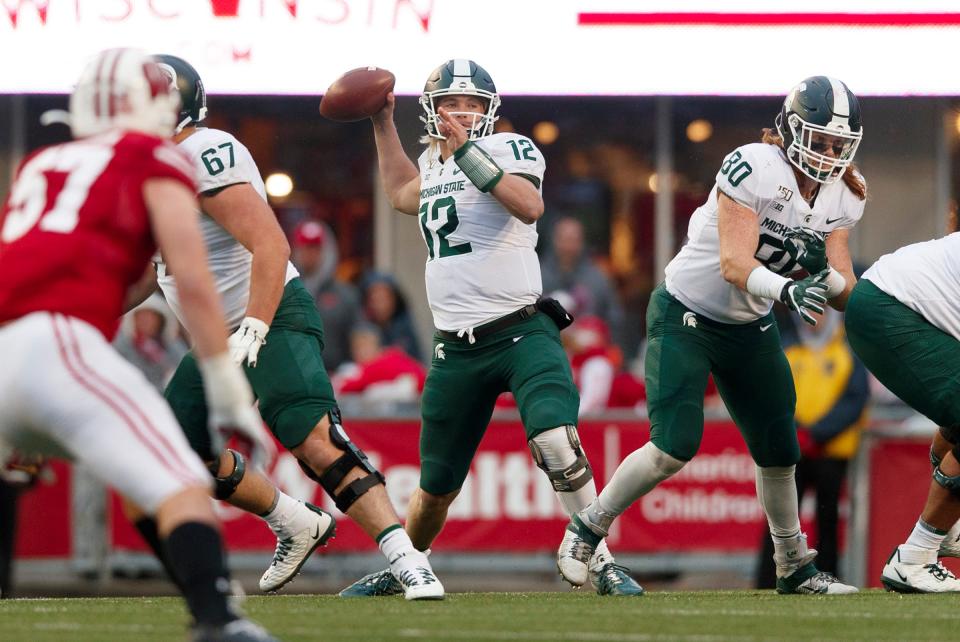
<point>505,505</point>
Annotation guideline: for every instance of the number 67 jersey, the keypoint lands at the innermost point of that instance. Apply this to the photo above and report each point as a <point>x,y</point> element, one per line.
<point>481,261</point>
<point>758,176</point>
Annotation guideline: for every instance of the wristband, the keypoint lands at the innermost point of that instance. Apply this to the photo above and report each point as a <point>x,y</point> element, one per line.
<point>835,283</point>
<point>764,283</point>
<point>478,166</point>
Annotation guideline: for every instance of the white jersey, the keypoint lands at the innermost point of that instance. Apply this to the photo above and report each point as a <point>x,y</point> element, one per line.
<point>925,277</point>
<point>759,177</point>
<point>481,262</point>
<point>221,160</point>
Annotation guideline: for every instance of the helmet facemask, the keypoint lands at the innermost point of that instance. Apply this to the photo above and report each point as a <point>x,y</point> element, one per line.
<point>808,144</point>
<point>482,123</point>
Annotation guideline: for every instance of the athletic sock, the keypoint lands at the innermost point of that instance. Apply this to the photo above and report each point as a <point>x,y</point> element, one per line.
<point>147,527</point>
<point>286,518</point>
<point>196,552</point>
<point>925,536</point>
<point>395,543</point>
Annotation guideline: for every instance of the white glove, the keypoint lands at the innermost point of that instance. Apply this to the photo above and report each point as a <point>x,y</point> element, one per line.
<point>231,412</point>
<point>246,341</point>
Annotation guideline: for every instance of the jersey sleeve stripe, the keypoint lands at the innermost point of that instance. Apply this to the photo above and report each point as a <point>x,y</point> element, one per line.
<point>174,159</point>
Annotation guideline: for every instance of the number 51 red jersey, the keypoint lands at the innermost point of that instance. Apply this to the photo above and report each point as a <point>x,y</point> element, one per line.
<point>75,232</point>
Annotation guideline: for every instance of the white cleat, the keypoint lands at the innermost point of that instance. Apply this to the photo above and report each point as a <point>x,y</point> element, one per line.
<point>415,575</point>
<point>914,570</point>
<point>292,552</point>
<point>576,549</point>
<point>951,543</point>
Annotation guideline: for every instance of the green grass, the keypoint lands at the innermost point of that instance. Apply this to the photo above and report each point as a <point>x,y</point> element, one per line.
<point>529,617</point>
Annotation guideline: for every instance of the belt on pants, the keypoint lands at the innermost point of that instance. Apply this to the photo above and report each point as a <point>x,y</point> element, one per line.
<point>496,325</point>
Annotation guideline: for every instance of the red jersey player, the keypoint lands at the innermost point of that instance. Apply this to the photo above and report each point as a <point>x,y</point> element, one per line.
<point>80,224</point>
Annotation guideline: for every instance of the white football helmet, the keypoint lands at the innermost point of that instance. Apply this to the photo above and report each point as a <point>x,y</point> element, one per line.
<point>123,89</point>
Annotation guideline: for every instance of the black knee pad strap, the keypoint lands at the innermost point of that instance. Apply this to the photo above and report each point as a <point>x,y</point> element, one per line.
<point>934,460</point>
<point>352,458</point>
<point>952,484</point>
<point>226,486</point>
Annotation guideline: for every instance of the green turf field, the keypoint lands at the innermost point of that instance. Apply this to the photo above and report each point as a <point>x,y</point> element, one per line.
<point>530,617</point>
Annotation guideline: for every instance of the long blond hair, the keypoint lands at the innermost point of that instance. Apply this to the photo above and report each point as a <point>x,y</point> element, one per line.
<point>852,178</point>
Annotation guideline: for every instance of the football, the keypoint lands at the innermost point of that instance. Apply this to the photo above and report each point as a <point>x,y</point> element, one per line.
<point>357,94</point>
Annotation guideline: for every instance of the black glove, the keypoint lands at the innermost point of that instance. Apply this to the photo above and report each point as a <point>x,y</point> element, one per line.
<point>808,248</point>
<point>805,296</point>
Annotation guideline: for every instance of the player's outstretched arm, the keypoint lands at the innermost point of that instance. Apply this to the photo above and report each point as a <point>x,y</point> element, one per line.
<point>401,178</point>
<point>241,211</point>
<point>174,220</point>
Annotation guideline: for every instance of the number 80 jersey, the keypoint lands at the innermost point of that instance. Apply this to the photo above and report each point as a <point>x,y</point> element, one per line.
<point>481,262</point>
<point>759,177</point>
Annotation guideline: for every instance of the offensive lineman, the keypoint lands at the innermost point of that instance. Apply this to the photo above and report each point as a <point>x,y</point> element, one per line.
<point>263,296</point>
<point>81,222</point>
<point>478,197</point>
<point>766,218</point>
<point>903,321</point>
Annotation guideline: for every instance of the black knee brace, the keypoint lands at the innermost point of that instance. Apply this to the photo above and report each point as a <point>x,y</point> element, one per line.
<point>226,486</point>
<point>573,477</point>
<point>353,458</point>
<point>952,484</point>
<point>934,460</point>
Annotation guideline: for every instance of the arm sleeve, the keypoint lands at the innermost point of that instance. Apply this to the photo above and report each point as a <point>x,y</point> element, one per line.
<point>517,154</point>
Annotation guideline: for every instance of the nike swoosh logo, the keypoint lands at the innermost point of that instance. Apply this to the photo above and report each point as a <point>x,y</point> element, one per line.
<point>764,328</point>
<point>515,339</point>
<point>830,221</point>
<point>902,576</point>
<point>317,533</point>
<point>456,171</point>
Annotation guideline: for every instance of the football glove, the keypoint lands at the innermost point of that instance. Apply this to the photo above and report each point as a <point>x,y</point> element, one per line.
<point>245,343</point>
<point>805,296</point>
<point>808,248</point>
<point>231,412</point>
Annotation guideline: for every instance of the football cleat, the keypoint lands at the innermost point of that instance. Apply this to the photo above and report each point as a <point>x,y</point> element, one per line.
<point>808,580</point>
<point>576,549</point>
<point>413,572</point>
<point>292,552</point>
<point>951,543</point>
<point>912,570</point>
<point>241,630</point>
<point>614,579</point>
<point>374,585</point>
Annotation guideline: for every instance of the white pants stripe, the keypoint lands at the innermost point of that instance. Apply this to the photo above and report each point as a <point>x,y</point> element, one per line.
<point>65,388</point>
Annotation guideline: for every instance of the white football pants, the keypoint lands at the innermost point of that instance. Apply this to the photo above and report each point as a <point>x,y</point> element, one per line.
<point>65,391</point>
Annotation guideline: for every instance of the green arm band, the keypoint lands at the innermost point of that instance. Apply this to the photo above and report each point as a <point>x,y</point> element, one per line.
<point>478,166</point>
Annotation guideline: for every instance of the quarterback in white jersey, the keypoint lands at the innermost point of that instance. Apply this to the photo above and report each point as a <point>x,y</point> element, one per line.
<point>903,321</point>
<point>478,197</point>
<point>781,207</point>
<point>262,294</point>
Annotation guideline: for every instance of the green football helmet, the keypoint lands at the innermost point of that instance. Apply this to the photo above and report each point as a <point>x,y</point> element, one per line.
<point>185,79</point>
<point>819,115</point>
<point>460,77</point>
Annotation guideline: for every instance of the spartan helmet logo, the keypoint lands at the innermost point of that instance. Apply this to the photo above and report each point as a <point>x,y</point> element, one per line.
<point>690,319</point>
<point>438,352</point>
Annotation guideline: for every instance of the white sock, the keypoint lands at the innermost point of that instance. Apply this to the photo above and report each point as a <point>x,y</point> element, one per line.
<point>287,517</point>
<point>396,544</point>
<point>925,536</point>
<point>636,476</point>
<point>777,492</point>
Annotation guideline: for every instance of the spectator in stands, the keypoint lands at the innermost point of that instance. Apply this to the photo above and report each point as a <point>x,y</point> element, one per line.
<point>832,394</point>
<point>379,373</point>
<point>315,255</point>
<point>567,267</point>
<point>385,307</point>
<point>149,338</point>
